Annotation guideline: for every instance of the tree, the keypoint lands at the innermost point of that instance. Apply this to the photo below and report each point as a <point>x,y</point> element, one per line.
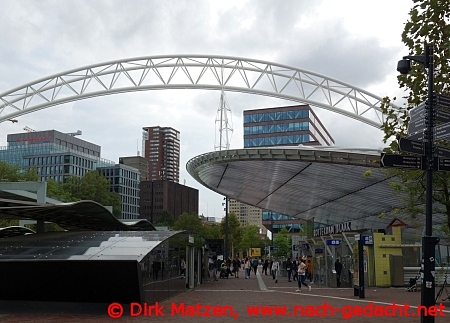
<point>250,238</point>
<point>192,224</point>
<point>166,219</point>
<point>234,231</point>
<point>92,186</point>
<point>12,173</point>
<point>284,243</point>
<point>213,232</point>
<point>427,24</point>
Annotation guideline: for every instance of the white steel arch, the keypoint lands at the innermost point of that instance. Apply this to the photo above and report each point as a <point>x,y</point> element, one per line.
<point>193,72</point>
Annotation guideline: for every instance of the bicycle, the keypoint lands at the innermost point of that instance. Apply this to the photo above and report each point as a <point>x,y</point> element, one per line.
<point>441,291</point>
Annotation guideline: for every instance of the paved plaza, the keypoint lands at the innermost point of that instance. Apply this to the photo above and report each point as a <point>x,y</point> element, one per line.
<point>238,300</point>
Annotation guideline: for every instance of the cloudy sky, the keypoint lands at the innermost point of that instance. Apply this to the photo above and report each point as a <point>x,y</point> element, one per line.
<point>358,42</point>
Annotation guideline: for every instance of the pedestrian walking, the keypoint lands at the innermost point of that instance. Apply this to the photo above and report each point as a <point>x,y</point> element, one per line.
<point>338,269</point>
<point>295,269</point>
<point>215,267</point>
<point>255,264</point>
<point>236,266</point>
<point>275,269</point>
<point>302,275</point>
<point>289,268</point>
<point>265,266</point>
<point>247,266</point>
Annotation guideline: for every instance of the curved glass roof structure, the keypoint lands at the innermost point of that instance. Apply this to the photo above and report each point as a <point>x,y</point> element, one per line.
<point>82,215</point>
<point>84,245</point>
<point>329,184</point>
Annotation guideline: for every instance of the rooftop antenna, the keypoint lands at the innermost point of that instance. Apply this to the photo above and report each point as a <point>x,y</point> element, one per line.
<point>73,134</point>
<point>225,127</point>
<point>28,129</point>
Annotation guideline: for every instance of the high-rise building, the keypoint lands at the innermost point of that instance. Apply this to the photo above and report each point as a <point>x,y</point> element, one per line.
<point>161,148</point>
<point>279,126</point>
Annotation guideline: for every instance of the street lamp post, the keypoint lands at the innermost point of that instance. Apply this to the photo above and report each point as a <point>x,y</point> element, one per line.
<point>225,257</point>
<point>428,242</point>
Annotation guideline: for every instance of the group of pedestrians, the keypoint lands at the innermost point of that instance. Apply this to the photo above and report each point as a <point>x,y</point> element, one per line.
<point>296,269</point>
<point>234,266</point>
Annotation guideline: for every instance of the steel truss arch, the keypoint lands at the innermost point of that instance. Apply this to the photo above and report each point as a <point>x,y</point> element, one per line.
<point>194,72</point>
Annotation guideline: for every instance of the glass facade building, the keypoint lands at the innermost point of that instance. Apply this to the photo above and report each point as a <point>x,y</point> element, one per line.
<point>124,180</point>
<point>55,155</point>
<point>283,126</point>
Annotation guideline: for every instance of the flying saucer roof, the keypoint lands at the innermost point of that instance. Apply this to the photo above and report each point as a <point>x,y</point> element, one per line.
<point>331,185</point>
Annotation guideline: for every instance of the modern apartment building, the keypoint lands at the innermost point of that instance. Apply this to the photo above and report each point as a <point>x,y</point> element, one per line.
<point>161,148</point>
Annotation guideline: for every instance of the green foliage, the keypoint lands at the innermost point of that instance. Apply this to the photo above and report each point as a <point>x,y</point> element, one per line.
<point>12,173</point>
<point>284,243</point>
<point>93,186</point>
<point>8,223</point>
<point>250,238</point>
<point>213,232</point>
<point>427,24</point>
<point>166,219</point>
<point>234,231</point>
<point>48,227</point>
<point>192,224</point>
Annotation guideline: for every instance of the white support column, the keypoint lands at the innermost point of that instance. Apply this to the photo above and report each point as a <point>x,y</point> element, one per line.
<point>348,242</point>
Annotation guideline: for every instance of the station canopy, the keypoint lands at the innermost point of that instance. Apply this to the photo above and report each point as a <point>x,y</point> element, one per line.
<point>328,184</point>
<point>82,215</point>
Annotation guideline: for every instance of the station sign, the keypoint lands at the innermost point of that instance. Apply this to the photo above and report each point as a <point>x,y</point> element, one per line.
<point>411,146</point>
<point>333,229</point>
<point>402,161</point>
<point>273,248</point>
<point>318,250</point>
<point>367,240</point>
<point>305,246</point>
<point>333,242</point>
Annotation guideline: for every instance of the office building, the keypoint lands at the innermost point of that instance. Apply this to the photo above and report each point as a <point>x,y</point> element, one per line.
<point>124,180</point>
<point>164,195</point>
<point>56,155</point>
<point>280,126</point>
<point>138,162</point>
<point>284,126</point>
<point>161,148</point>
<point>247,214</point>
